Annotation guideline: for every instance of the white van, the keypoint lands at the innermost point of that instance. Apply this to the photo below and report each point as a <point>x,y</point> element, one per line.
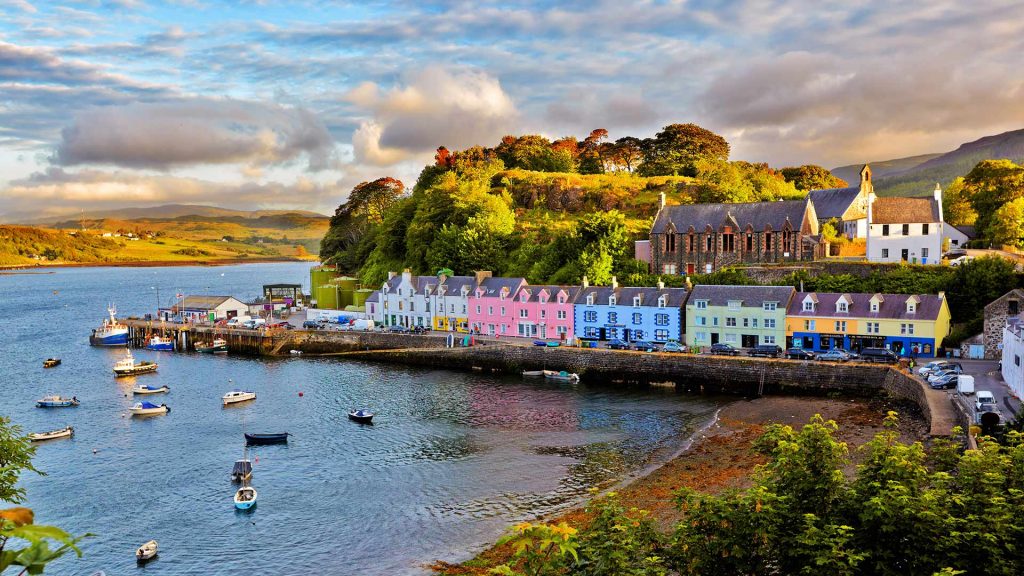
<point>965,384</point>
<point>985,398</point>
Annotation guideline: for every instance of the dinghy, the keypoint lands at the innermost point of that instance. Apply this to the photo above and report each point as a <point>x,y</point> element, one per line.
<point>236,396</point>
<point>51,362</point>
<point>258,439</point>
<point>66,432</point>
<point>57,402</point>
<point>148,409</point>
<point>146,552</point>
<point>147,389</point>
<point>561,376</point>
<point>363,416</point>
<point>533,373</point>
<point>245,497</point>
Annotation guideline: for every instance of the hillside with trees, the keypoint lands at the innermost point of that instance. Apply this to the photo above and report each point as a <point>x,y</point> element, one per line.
<point>551,211</point>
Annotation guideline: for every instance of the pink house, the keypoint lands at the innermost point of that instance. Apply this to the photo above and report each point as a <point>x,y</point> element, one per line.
<point>491,305</point>
<point>545,312</point>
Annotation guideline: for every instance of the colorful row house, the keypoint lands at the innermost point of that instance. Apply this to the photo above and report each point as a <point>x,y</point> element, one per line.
<point>438,302</point>
<point>741,316</point>
<point>907,324</point>
<point>545,312</point>
<point>630,314</point>
<point>491,310</point>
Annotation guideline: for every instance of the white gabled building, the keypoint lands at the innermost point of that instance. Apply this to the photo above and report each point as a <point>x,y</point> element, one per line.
<point>404,300</point>
<point>1013,355</point>
<point>905,229</point>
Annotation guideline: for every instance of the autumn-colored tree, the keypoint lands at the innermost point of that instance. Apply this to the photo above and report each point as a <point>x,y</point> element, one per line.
<point>812,177</point>
<point>627,152</point>
<point>591,161</point>
<point>444,158</point>
<point>1007,226</point>
<point>990,185</point>
<point>678,148</point>
<point>956,204</point>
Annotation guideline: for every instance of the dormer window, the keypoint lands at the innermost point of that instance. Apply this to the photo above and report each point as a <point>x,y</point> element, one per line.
<point>636,302</point>
<point>590,299</point>
<point>842,306</point>
<point>611,300</point>
<point>524,296</point>
<point>561,299</point>
<point>874,306</point>
<point>662,301</point>
<point>912,303</point>
<point>808,306</point>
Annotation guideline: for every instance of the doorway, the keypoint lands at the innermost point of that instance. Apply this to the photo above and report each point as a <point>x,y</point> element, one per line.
<point>714,337</point>
<point>748,340</point>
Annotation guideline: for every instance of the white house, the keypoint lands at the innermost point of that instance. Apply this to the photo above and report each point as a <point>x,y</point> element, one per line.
<point>205,308</point>
<point>449,299</point>
<point>905,229</point>
<point>1013,355</point>
<point>958,236</point>
<point>404,300</point>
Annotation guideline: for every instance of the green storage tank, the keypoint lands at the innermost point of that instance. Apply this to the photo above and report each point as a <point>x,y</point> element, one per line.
<point>360,296</point>
<point>321,275</point>
<point>326,296</point>
<point>346,290</point>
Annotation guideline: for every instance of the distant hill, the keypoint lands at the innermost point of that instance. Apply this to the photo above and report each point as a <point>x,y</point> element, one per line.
<point>169,211</point>
<point>917,175</point>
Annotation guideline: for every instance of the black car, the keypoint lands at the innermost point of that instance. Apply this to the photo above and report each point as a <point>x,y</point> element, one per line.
<point>799,354</point>
<point>398,329</point>
<point>767,350</point>
<point>644,346</point>
<point>724,349</point>
<point>311,324</point>
<point>617,344</point>
<point>879,355</point>
<point>946,382</point>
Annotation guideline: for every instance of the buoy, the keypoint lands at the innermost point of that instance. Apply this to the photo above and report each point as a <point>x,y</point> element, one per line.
<point>300,394</point>
<point>94,450</point>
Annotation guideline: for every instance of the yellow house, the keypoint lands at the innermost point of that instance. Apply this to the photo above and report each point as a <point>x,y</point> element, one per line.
<point>907,324</point>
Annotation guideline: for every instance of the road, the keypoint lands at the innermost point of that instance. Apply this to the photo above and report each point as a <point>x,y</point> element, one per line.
<point>987,377</point>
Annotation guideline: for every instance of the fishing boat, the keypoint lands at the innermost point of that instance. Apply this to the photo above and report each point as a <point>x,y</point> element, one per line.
<point>561,376</point>
<point>160,344</point>
<point>51,362</point>
<point>259,439</point>
<point>146,552</point>
<point>363,416</point>
<point>533,373</point>
<point>111,332</point>
<point>242,470</point>
<point>245,497</point>
<point>148,409</point>
<point>236,396</point>
<point>65,432</point>
<point>55,401</point>
<point>218,346</point>
<point>127,366</point>
<point>147,389</point>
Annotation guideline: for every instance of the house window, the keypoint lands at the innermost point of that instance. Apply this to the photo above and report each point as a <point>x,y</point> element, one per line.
<point>700,337</point>
<point>490,329</point>
<point>636,302</point>
<point>746,323</point>
<point>590,316</point>
<point>613,332</point>
<point>451,308</point>
<point>906,229</point>
<point>911,308</point>
<point>638,318</point>
<point>750,242</point>
<point>561,314</point>
<point>401,305</point>
<point>885,229</point>
<point>1013,307</point>
<point>714,321</point>
<point>638,334</point>
<point>490,310</point>
<point>661,335</point>
<point>590,332</point>
<point>769,322</point>
<point>885,252</point>
<point>1016,360</point>
<point>661,319</point>
<point>874,306</point>
<point>808,306</point>
<point>543,314</point>
<point>670,242</point>
<point>702,304</point>
<point>669,268</point>
<point>502,310</point>
<point>735,304</point>
<point>613,317</point>
<point>872,327</point>
<point>524,313</point>
<point>730,338</point>
<point>503,328</point>
<point>924,229</point>
<point>611,300</point>
<point>708,244</point>
<point>840,325</point>
<point>767,241</point>
<point>590,299</point>
<point>768,339</point>
<point>702,320</point>
<point>770,306</point>
<point>924,252</point>
<point>727,243</point>
<point>662,302</point>
<point>809,325</point>
<point>692,244</point>
<point>907,329</point>
<point>842,306</point>
<point>463,308</point>
<point>477,309</point>
<point>754,322</point>
<point>730,322</point>
<point>562,330</point>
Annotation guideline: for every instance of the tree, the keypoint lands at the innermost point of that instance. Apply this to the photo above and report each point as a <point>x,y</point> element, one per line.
<point>990,185</point>
<point>678,148</point>
<point>974,284</point>
<point>1007,225</point>
<point>590,159</point>
<point>366,207</point>
<point>812,177</point>
<point>627,153</point>
<point>956,205</point>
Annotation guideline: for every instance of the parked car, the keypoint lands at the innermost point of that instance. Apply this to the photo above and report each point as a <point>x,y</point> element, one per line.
<point>616,344</point>
<point>420,330</point>
<point>945,382</point>
<point>932,367</point>
<point>767,350</point>
<point>955,253</point>
<point>398,329</point>
<point>849,353</point>
<point>724,349</point>
<point>799,354</point>
<point>879,355</point>
<point>834,355</point>
<point>311,325</point>
<point>673,346</point>
<point>960,261</point>
<point>644,346</point>
<point>943,373</point>
<point>985,400</point>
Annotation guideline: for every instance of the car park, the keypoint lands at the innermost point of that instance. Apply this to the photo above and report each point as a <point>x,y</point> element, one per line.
<point>673,346</point>
<point>617,344</point>
<point>644,346</point>
<point>834,356</point>
<point>879,355</point>
<point>799,354</point>
<point>722,348</point>
<point>767,350</point>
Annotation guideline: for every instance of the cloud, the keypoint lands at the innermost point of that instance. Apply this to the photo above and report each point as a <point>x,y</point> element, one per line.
<point>22,5</point>
<point>435,107</point>
<point>195,132</point>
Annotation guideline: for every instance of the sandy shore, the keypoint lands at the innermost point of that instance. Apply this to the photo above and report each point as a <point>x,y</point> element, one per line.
<point>723,457</point>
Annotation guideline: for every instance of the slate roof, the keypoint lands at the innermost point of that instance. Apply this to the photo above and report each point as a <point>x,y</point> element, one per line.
<point>374,297</point>
<point>904,211</point>
<point>454,284</point>
<point>833,202</point>
<point>492,286</point>
<point>756,214</point>
<point>968,231</point>
<point>750,296</point>
<point>624,296</point>
<point>893,306</point>
<point>571,292</point>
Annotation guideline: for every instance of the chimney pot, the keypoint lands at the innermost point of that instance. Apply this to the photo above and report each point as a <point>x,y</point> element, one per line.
<point>615,282</point>
<point>586,283</point>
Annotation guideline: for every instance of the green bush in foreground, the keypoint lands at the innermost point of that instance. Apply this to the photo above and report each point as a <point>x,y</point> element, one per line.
<point>905,511</point>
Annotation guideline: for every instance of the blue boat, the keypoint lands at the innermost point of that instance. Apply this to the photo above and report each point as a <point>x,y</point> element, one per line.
<point>160,344</point>
<point>110,333</point>
<point>57,402</point>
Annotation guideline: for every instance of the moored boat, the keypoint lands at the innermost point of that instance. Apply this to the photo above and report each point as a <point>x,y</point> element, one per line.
<point>160,344</point>
<point>242,470</point>
<point>533,373</point>
<point>65,432</point>
<point>51,362</point>
<point>146,389</point>
<point>217,346</point>
<point>245,497</point>
<point>148,409</point>
<point>275,438</point>
<point>111,332</point>
<point>363,416</point>
<point>236,396</point>
<point>55,401</point>
<point>561,376</point>
<point>147,551</point>
<point>127,366</point>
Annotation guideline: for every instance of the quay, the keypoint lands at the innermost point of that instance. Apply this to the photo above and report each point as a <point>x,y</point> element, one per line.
<point>688,372</point>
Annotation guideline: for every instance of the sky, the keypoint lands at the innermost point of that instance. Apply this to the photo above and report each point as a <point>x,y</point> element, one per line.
<point>288,105</point>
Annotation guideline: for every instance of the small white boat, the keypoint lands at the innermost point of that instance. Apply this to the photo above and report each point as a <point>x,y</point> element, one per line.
<point>561,376</point>
<point>218,346</point>
<point>66,432</point>
<point>236,396</point>
<point>533,373</point>
<point>147,551</point>
<point>127,366</point>
<point>147,389</point>
<point>295,352</point>
<point>148,409</point>
<point>245,497</point>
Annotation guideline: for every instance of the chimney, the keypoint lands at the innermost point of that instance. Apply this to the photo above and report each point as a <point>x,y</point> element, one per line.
<point>662,199</point>
<point>586,283</point>
<point>481,275</point>
<point>392,275</point>
<point>689,284</point>
<point>937,194</point>
<point>615,283</point>
<point>942,295</point>
<point>407,275</point>
<point>661,285</point>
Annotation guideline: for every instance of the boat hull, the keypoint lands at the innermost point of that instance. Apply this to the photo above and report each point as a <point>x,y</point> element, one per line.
<point>53,435</point>
<point>135,370</point>
<point>51,404</point>
<point>212,349</point>
<point>149,411</point>
<point>263,439</point>
<point>51,363</point>
<point>229,400</point>
<point>161,347</point>
<point>245,504</point>
<point>117,338</point>
<point>146,552</point>
<point>159,390</point>
<point>361,419</point>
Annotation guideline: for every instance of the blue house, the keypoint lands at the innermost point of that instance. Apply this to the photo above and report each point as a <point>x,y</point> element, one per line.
<point>608,312</point>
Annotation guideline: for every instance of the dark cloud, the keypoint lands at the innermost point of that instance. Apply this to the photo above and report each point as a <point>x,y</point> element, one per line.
<point>194,132</point>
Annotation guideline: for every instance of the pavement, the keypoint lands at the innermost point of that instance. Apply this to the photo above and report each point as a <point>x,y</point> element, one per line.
<point>987,377</point>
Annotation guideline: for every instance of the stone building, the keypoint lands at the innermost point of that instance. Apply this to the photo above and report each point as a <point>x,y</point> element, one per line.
<point>701,238</point>
<point>997,313</point>
<point>848,205</point>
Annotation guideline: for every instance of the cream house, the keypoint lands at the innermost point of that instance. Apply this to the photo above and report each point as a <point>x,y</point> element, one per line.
<point>905,229</point>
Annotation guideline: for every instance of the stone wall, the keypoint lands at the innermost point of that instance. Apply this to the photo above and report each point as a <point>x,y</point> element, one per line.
<point>996,314</point>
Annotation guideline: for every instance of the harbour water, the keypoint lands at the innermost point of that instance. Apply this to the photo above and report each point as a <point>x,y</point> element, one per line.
<point>452,459</point>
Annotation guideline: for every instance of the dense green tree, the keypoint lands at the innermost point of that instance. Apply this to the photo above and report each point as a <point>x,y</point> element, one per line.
<point>534,152</point>
<point>812,177</point>
<point>357,218</point>
<point>1007,225</point>
<point>678,148</point>
<point>990,185</point>
<point>626,153</point>
<point>974,284</point>
<point>956,204</point>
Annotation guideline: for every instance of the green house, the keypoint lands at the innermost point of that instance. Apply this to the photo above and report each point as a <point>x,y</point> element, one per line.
<point>742,316</point>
